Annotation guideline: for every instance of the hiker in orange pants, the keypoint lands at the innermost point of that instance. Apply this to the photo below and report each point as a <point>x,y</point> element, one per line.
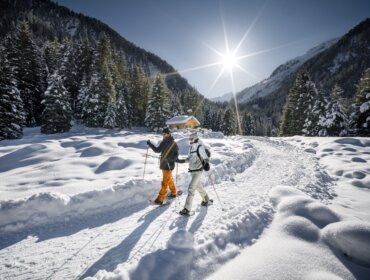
<point>169,153</point>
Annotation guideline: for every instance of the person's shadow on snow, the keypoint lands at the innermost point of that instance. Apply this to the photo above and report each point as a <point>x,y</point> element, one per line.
<point>176,261</point>
<point>172,263</point>
<point>120,253</point>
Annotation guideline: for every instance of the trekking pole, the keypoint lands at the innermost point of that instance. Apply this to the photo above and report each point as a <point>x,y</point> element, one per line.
<point>213,185</point>
<point>146,156</point>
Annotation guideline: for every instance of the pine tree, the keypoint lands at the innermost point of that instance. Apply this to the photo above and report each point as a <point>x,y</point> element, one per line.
<point>69,70</point>
<point>57,114</point>
<point>228,126</point>
<point>81,98</point>
<point>336,120</point>
<point>158,108</point>
<point>361,116</point>
<point>293,116</point>
<point>139,93</point>
<point>314,110</point>
<point>12,117</point>
<point>52,56</point>
<point>122,117</point>
<point>91,110</point>
<point>207,123</point>
<point>111,114</point>
<point>249,124</point>
<point>28,74</point>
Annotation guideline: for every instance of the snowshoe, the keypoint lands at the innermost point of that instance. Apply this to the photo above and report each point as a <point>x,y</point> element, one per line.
<point>170,195</point>
<point>159,203</point>
<point>207,203</point>
<point>186,212</point>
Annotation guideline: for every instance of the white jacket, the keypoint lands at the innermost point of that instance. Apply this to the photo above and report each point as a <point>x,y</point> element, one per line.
<point>195,163</point>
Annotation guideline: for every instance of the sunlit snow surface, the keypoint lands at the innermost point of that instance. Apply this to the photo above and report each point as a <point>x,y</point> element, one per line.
<point>76,205</point>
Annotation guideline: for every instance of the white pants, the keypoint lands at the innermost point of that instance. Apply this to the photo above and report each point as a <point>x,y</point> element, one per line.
<point>195,185</point>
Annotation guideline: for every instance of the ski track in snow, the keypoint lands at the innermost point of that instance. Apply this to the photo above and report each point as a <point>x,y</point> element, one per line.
<point>125,240</point>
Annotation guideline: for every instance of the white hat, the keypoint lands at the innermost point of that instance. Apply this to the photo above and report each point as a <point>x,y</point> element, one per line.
<point>194,135</point>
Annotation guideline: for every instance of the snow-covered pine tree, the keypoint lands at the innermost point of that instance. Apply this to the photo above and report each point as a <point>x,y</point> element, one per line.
<point>12,116</point>
<point>52,56</point>
<point>314,110</point>
<point>91,107</point>
<point>158,106</point>
<point>122,118</point>
<point>207,123</point>
<point>108,98</point>
<point>28,74</point>
<point>139,94</point>
<point>57,114</point>
<point>111,114</point>
<point>293,116</point>
<point>361,116</point>
<point>228,126</point>
<point>335,122</point>
<point>70,70</point>
<point>81,98</point>
<point>249,124</point>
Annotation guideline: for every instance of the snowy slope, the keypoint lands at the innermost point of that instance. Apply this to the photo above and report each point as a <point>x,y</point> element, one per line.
<point>75,206</point>
<point>223,98</point>
<point>280,74</point>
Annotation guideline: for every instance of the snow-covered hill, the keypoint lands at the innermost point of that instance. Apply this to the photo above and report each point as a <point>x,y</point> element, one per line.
<point>280,74</point>
<point>75,206</point>
<point>223,98</point>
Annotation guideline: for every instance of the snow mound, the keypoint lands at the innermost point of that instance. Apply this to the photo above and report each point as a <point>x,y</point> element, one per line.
<point>351,239</point>
<point>54,207</point>
<point>292,202</point>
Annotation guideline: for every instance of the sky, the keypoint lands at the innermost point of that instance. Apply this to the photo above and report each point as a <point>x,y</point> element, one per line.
<point>190,34</point>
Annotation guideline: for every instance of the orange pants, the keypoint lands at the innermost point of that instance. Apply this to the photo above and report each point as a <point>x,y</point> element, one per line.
<point>166,182</point>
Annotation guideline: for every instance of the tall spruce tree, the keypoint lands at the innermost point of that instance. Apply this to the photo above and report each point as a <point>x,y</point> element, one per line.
<point>139,94</point>
<point>293,116</point>
<point>335,122</point>
<point>361,116</point>
<point>81,98</point>
<point>12,117</point>
<point>28,74</point>
<point>314,110</point>
<point>249,124</point>
<point>91,108</point>
<point>123,118</point>
<point>57,114</point>
<point>158,106</point>
<point>228,126</point>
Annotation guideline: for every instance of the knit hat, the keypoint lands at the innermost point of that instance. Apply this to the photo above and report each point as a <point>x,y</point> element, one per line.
<point>193,136</point>
<point>166,130</point>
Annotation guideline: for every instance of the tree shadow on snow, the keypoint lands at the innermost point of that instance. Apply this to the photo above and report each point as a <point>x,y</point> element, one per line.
<point>121,252</point>
<point>70,227</point>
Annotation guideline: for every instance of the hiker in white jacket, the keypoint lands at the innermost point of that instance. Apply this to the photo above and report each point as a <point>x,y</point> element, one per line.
<point>198,160</point>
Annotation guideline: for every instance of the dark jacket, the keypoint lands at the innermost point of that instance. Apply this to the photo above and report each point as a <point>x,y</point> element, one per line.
<point>168,145</point>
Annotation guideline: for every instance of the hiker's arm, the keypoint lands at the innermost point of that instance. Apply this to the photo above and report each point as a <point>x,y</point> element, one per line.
<point>154,148</point>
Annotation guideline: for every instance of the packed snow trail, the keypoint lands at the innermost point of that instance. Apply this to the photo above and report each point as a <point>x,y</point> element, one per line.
<point>125,240</point>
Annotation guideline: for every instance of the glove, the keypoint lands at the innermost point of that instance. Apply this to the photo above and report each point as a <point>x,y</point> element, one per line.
<point>148,143</point>
<point>206,166</point>
<point>180,160</point>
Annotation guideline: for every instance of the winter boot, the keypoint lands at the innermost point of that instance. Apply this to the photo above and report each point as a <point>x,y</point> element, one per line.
<point>157,201</point>
<point>171,195</point>
<point>207,203</point>
<point>184,212</point>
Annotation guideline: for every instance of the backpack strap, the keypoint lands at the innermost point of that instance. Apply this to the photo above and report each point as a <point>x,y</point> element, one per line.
<point>167,152</point>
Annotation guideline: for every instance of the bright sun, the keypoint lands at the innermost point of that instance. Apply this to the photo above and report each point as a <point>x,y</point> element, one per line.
<point>229,60</point>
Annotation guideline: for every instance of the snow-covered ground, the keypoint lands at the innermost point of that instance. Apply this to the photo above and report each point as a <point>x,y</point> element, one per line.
<point>75,206</point>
